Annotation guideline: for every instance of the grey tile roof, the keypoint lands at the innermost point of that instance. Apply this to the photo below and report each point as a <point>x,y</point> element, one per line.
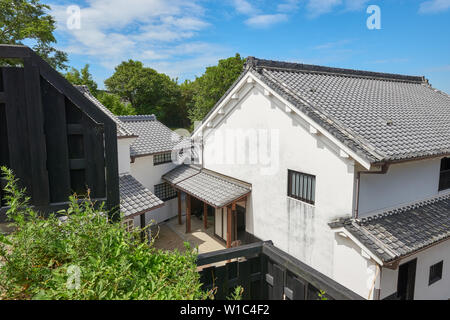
<point>181,173</point>
<point>136,199</point>
<point>208,186</point>
<point>382,117</point>
<point>396,233</point>
<point>122,131</point>
<point>154,137</point>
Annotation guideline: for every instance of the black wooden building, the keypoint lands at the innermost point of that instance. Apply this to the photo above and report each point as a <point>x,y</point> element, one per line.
<point>55,139</point>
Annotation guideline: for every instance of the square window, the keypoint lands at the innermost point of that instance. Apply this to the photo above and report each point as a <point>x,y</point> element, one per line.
<point>435,273</point>
<point>302,186</point>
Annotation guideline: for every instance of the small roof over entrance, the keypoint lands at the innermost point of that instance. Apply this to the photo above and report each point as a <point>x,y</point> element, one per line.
<point>208,186</point>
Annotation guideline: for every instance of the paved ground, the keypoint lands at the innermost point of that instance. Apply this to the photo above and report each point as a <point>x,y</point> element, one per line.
<point>172,236</point>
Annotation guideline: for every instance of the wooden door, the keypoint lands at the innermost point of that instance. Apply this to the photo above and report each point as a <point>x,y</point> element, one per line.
<point>406,280</point>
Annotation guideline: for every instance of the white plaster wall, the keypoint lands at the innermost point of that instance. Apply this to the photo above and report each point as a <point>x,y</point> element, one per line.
<point>437,291</point>
<point>352,270</point>
<point>123,148</point>
<point>149,175</point>
<point>295,227</point>
<point>403,183</point>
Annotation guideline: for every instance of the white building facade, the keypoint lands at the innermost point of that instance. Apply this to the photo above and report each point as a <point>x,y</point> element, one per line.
<point>316,176</point>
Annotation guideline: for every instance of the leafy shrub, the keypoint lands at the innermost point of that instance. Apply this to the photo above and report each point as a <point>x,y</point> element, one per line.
<point>41,258</point>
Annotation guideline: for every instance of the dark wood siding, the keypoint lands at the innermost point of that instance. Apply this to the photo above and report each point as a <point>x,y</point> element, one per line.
<point>55,140</point>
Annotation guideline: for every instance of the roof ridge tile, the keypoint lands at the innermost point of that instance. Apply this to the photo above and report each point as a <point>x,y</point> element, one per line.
<point>256,63</point>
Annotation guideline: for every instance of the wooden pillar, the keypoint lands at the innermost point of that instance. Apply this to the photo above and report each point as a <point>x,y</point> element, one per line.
<point>142,218</point>
<point>188,213</point>
<point>179,207</point>
<point>229,226</point>
<point>234,215</point>
<point>205,215</point>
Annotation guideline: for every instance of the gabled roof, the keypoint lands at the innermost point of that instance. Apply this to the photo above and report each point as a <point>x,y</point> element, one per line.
<point>122,131</point>
<point>154,137</point>
<point>397,233</point>
<point>208,186</point>
<point>381,117</point>
<point>135,199</point>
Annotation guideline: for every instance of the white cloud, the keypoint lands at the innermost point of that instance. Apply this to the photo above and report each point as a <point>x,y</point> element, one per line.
<point>151,30</point>
<point>256,18</point>
<point>244,7</point>
<point>434,6</point>
<point>265,20</point>
<point>288,6</point>
<point>355,5</point>
<point>319,7</point>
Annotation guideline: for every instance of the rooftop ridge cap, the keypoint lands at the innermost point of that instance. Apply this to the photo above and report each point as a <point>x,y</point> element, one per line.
<point>135,118</point>
<point>299,67</point>
<point>403,207</point>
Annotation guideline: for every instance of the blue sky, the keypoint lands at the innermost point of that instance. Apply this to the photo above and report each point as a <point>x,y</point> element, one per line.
<point>181,38</point>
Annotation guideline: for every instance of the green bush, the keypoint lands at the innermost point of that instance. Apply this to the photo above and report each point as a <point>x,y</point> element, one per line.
<point>42,257</point>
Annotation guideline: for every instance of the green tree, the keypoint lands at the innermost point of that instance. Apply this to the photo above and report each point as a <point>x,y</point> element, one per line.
<point>28,20</point>
<point>86,257</point>
<point>212,85</point>
<point>82,77</point>
<point>148,91</point>
<point>113,103</point>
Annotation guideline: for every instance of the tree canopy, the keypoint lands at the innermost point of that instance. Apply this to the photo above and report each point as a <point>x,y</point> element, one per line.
<point>28,20</point>
<point>136,89</point>
<point>148,91</point>
<point>212,85</point>
<point>82,77</point>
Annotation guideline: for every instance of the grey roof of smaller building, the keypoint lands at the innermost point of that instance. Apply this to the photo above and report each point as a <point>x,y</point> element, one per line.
<point>181,173</point>
<point>122,131</point>
<point>153,136</point>
<point>213,188</point>
<point>135,199</point>
<point>397,233</point>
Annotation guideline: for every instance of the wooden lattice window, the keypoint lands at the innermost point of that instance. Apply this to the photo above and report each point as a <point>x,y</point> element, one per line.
<point>162,158</point>
<point>165,192</point>
<point>129,224</point>
<point>302,186</point>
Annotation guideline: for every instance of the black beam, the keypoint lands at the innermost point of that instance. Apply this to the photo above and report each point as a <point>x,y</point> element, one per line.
<point>249,250</point>
<point>312,276</point>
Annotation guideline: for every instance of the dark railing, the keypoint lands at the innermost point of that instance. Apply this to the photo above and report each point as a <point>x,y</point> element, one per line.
<point>266,273</point>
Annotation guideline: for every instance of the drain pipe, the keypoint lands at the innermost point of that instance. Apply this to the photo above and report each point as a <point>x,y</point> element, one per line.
<point>384,170</point>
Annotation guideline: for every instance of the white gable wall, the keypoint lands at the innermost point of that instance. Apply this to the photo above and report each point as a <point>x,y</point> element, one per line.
<point>149,175</point>
<point>123,150</point>
<point>295,227</point>
<point>403,183</point>
<point>425,259</point>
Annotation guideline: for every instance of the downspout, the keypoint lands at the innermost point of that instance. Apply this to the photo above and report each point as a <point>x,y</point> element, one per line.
<point>371,292</point>
<point>384,170</point>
